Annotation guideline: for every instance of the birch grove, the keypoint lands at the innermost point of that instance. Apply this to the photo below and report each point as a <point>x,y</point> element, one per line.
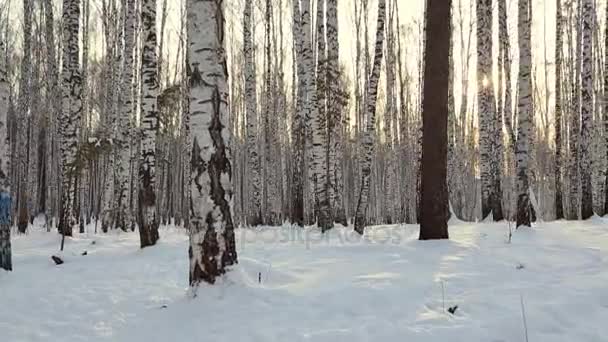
<point>213,116</point>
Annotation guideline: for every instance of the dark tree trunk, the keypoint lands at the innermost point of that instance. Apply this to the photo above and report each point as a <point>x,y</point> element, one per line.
<point>434,202</point>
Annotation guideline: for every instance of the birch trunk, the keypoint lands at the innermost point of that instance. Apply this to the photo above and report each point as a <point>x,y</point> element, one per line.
<point>147,213</point>
<point>524,113</point>
<point>5,153</point>
<point>298,126</point>
<point>23,117</point>
<point>254,212</point>
<point>367,141</point>
<point>54,107</point>
<point>212,241</point>
<point>319,127</point>
<point>586,111</point>
<point>575,123</point>
<point>71,112</point>
<point>605,109</point>
<point>490,192</point>
<point>123,217</point>
<point>335,112</point>
<point>559,205</point>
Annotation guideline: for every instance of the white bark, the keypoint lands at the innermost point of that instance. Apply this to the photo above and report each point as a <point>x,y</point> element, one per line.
<point>319,126</point>
<point>335,104</point>
<point>71,112</point>
<point>254,211</point>
<point>367,141</point>
<point>586,111</point>
<point>25,94</point>
<point>212,244</point>
<point>123,217</point>
<point>559,206</point>
<point>147,215</point>
<point>5,152</point>
<point>298,126</point>
<point>524,113</point>
<point>485,103</point>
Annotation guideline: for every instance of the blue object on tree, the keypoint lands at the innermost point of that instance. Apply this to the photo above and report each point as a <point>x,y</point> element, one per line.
<point>5,208</point>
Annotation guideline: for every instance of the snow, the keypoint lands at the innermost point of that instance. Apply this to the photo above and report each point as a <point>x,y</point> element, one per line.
<point>338,287</point>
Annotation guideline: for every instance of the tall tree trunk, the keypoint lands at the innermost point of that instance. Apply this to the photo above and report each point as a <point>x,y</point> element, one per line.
<point>559,205</point>
<point>5,167</point>
<point>298,125</point>
<point>25,89</point>
<point>272,210</point>
<point>123,216</point>
<point>71,112</point>
<point>488,137</point>
<point>317,172</point>
<point>586,111</point>
<point>504,108</point>
<point>254,210</point>
<point>524,113</point>
<point>575,121</point>
<point>367,141</point>
<point>335,112</point>
<point>605,109</point>
<point>147,213</point>
<point>434,201</point>
<point>319,127</point>
<point>54,108</point>
<point>212,241</point>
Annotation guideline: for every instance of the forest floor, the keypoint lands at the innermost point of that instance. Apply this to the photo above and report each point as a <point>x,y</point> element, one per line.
<point>296,285</point>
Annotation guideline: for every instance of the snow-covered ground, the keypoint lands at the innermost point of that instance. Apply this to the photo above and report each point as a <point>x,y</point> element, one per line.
<point>386,287</point>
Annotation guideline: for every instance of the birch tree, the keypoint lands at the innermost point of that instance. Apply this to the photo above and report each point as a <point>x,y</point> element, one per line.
<point>212,241</point>
<point>559,206</point>
<point>505,111</point>
<point>254,210</point>
<point>54,107</point>
<point>605,111</point>
<point>5,152</point>
<point>587,90</point>
<point>524,113</point>
<point>123,217</point>
<point>335,115</point>
<point>71,113</point>
<point>23,118</point>
<point>575,119</point>
<point>271,207</point>
<point>489,198</point>
<point>147,215</point>
<point>319,127</point>
<point>298,125</point>
<point>317,167</point>
<point>367,141</point>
